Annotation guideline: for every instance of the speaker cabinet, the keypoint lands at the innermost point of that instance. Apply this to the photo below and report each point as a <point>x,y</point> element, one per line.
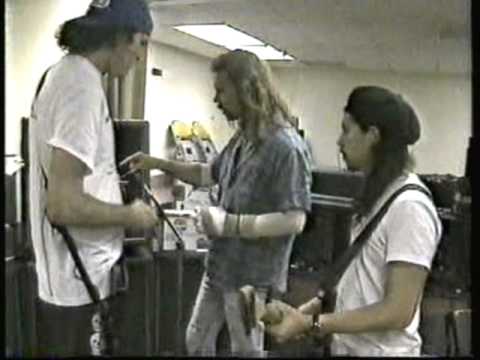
<point>326,233</point>
<point>340,183</point>
<point>168,291</point>
<point>136,331</point>
<point>20,318</point>
<point>132,136</point>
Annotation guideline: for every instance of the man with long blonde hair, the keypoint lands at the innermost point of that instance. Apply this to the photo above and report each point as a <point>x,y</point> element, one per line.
<point>264,178</point>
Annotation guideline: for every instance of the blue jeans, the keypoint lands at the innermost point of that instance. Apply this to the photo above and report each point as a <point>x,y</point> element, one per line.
<point>213,306</point>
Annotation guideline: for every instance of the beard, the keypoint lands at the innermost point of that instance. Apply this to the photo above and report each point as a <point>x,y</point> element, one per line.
<point>230,117</point>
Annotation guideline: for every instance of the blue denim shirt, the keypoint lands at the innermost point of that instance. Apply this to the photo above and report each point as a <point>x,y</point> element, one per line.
<point>273,176</point>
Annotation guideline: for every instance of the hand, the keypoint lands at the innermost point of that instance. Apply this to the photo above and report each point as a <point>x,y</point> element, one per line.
<point>292,325</point>
<point>212,220</point>
<point>273,313</point>
<point>139,161</point>
<point>311,307</point>
<point>142,216</point>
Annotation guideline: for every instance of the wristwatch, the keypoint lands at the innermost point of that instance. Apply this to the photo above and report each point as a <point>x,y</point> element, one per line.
<point>316,324</point>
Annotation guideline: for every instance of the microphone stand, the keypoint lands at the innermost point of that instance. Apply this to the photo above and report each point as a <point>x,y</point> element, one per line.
<point>180,245</point>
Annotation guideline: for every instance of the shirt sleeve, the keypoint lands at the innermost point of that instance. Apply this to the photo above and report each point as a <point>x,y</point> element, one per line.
<point>414,234</point>
<point>76,119</point>
<point>292,182</point>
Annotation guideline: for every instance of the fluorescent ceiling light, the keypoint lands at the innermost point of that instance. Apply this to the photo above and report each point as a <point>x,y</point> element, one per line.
<point>232,39</point>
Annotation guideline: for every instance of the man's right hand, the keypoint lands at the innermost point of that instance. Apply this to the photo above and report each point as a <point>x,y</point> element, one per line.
<point>142,216</point>
<point>139,161</point>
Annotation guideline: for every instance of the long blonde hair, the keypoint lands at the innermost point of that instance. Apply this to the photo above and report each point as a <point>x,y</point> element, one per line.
<point>253,81</point>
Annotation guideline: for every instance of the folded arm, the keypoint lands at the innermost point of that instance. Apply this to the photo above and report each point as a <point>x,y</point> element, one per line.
<point>217,222</point>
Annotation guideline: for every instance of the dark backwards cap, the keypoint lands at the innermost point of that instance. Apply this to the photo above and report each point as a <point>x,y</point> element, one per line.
<point>393,116</point>
<point>133,14</point>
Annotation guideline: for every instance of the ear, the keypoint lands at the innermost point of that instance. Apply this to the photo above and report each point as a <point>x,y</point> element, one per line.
<point>374,134</point>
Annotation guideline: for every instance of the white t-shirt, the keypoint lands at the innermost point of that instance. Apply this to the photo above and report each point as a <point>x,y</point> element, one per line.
<point>71,114</point>
<point>410,232</point>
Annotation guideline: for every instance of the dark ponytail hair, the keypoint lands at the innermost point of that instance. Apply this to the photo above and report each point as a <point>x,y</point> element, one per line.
<point>398,126</point>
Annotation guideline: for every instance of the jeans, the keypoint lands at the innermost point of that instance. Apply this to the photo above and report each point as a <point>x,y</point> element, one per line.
<point>213,306</point>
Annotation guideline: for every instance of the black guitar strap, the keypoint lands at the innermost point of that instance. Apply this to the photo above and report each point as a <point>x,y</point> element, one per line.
<point>341,265</point>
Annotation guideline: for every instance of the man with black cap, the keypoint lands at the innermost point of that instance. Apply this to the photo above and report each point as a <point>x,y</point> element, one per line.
<point>73,178</point>
<point>377,309</point>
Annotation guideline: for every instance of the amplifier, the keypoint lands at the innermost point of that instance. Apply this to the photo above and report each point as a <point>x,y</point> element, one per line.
<point>326,233</point>
<point>339,183</point>
<point>132,136</point>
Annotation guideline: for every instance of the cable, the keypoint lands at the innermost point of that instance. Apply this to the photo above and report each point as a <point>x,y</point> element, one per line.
<point>179,241</point>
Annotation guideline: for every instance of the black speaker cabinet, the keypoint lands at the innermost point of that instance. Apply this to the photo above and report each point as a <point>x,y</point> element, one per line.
<point>132,136</point>
<point>136,332</point>
<point>340,183</point>
<point>326,232</point>
<point>20,294</point>
<point>167,309</point>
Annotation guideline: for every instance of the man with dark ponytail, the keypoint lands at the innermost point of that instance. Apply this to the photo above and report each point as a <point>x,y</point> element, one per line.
<point>377,308</point>
<point>73,181</point>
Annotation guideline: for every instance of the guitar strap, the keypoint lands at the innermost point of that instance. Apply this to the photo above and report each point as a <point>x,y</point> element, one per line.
<point>341,265</point>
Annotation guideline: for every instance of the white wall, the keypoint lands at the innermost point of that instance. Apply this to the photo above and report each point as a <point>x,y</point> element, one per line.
<point>184,92</point>
<point>31,47</point>
<point>317,96</point>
